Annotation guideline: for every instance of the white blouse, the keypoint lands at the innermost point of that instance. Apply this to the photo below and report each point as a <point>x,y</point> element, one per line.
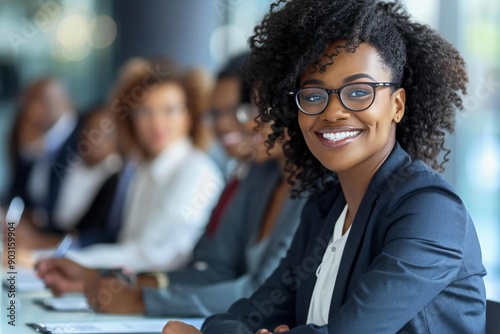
<point>167,207</point>
<point>327,275</point>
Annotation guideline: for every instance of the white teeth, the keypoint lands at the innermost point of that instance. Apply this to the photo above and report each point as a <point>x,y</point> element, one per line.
<point>336,136</point>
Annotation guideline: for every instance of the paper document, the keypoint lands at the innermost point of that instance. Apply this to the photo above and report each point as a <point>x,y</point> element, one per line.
<point>145,326</point>
<point>65,304</point>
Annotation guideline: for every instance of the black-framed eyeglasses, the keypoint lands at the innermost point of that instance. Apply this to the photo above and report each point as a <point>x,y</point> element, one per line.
<point>356,96</point>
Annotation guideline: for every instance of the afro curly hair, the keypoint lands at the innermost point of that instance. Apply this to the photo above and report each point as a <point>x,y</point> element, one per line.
<point>296,33</point>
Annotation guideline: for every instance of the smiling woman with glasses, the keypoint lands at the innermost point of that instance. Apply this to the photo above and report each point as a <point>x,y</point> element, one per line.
<point>385,245</point>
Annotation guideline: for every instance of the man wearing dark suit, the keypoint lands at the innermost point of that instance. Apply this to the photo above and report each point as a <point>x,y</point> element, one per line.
<point>43,147</point>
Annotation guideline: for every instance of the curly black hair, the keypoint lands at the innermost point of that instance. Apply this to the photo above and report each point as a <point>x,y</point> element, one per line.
<point>296,33</point>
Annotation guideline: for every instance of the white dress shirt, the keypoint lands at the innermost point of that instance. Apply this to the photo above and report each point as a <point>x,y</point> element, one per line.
<point>168,205</point>
<point>79,189</point>
<point>327,275</point>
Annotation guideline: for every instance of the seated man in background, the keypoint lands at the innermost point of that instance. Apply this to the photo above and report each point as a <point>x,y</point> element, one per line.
<point>45,133</point>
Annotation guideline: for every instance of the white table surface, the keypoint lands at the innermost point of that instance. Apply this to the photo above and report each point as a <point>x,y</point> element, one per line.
<point>28,311</point>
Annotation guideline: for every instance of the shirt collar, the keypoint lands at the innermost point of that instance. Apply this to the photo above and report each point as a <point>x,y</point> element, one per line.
<point>167,161</point>
<point>60,131</point>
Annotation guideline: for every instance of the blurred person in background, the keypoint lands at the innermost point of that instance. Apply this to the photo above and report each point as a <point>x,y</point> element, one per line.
<point>45,133</point>
<point>96,152</point>
<point>99,160</point>
<point>103,220</point>
<point>230,98</point>
<point>175,185</point>
<point>229,262</point>
<point>92,165</point>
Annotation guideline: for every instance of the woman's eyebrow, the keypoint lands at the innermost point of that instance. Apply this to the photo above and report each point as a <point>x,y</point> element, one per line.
<point>346,80</point>
<point>358,76</point>
<point>312,82</point>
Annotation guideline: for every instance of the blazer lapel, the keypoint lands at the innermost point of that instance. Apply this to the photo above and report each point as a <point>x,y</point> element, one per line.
<point>384,177</point>
<point>353,244</point>
<point>332,206</point>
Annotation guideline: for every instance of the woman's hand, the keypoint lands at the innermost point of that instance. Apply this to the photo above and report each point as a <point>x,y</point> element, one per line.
<point>279,329</point>
<point>62,275</point>
<point>179,327</point>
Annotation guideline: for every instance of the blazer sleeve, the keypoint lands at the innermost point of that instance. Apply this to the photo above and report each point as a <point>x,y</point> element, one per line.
<point>423,232</point>
<point>185,299</point>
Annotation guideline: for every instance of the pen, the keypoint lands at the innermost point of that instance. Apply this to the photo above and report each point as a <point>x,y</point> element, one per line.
<point>63,246</point>
<point>15,211</point>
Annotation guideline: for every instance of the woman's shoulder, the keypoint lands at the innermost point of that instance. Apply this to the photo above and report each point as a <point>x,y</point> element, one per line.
<point>416,177</point>
<point>416,189</point>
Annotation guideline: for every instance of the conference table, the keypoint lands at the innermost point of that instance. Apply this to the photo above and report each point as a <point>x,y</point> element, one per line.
<point>27,311</point>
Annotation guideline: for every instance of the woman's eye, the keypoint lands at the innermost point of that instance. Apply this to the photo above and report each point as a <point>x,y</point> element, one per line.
<point>313,98</point>
<point>358,93</point>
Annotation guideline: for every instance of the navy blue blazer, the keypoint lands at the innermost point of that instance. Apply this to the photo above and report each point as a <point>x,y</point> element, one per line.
<point>411,264</point>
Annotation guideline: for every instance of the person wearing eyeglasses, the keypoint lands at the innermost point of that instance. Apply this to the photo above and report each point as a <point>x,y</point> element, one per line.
<point>385,244</point>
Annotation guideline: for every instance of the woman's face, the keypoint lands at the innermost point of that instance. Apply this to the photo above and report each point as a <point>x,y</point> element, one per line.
<point>100,135</point>
<point>162,118</point>
<point>369,135</point>
<point>233,135</point>
<point>46,103</point>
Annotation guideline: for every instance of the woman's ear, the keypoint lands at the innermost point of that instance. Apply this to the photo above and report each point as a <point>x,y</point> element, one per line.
<point>399,102</point>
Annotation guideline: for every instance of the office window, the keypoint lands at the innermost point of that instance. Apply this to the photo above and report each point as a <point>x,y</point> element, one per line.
<point>478,130</point>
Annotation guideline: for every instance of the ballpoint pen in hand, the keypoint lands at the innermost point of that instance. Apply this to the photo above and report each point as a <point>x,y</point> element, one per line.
<point>63,246</point>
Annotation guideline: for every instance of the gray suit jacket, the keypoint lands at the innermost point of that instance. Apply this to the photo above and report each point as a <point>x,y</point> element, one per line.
<point>225,266</point>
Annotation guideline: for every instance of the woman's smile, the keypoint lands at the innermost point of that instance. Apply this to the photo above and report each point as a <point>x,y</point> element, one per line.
<point>337,137</point>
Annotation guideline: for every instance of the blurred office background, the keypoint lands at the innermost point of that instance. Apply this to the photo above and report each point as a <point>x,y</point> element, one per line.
<point>86,41</point>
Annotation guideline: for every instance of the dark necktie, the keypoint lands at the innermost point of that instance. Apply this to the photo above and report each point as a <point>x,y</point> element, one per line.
<point>221,206</point>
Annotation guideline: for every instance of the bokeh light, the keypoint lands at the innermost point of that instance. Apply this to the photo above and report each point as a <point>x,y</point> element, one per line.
<point>73,31</point>
<point>103,32</point>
